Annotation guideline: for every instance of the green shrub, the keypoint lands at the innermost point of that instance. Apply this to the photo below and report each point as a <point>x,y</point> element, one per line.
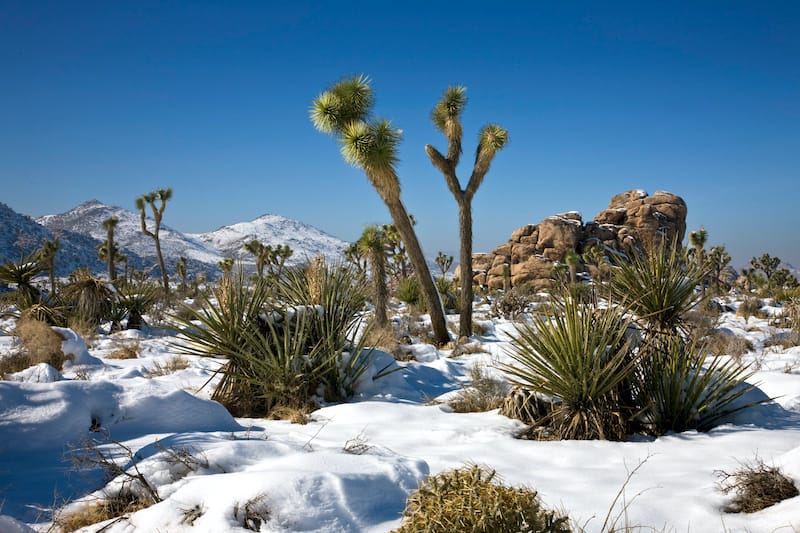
<point>658,287</point>
<point>510,305</point>
<point>279,354</point>
<point>685,390</point>
<point>408,291</point>
<point>582,357</point>
<point>749,307</point>
<point>90,298</point>
<point>470,499</point>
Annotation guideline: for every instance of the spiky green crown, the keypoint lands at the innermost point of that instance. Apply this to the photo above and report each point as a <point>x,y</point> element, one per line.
<point>492,138</point>
<point>449,107</point>
<point>348,101</point>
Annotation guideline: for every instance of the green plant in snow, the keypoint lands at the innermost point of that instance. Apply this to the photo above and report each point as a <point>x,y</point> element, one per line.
<point>686,389</point>
<point>582,358</point>
<point>658,287</point>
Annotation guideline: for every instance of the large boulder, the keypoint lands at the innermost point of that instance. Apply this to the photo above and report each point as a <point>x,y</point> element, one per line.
<point>632,219</point>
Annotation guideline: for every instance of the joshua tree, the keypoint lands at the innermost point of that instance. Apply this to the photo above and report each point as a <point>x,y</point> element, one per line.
<point>766,264</point>
<point>372,243</point>
<point>162,196</point>
<point>110,224</point>
<point>718,260</point>
<point>698,240</point>
<point>226,265</point>
<point>260,252</point>
<point>572,259</point>
<point>355,255</point>
<point>180,268</point>
<point>344,111</point>
<point>278,258</point>
<point>47,256</point>
<point>446,117</point>
<point>399,266</point>
<point>444,262</point>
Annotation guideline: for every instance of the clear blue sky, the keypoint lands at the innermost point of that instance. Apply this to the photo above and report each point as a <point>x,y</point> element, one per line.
<point>109,100</point>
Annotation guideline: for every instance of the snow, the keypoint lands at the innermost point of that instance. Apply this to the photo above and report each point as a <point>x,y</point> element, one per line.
<point>352,467</point>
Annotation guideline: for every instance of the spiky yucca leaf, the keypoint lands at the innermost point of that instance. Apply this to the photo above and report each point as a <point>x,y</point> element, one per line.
<point>686,389</point>
<point>581,358</point>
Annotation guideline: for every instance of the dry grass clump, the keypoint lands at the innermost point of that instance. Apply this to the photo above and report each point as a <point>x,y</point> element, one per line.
<point>172,365</point>
<point>749,307</point>
<point>125,351</point>
<point>484,394</point>
<point>784,340</point>
<point>384,337</point>
<point>114,506</point>
<point>39,344</point>
<point>755,486</point>
<point>472,499</point>
<point>724,343</point>
<point>253,513</point>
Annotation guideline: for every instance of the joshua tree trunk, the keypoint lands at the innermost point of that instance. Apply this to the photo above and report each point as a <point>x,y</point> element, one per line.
<point>429,292</point>
<point>467,295</point>
<point>379,283</point>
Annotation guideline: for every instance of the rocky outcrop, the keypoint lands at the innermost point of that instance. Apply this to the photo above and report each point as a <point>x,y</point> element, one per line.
<point>632,219</point>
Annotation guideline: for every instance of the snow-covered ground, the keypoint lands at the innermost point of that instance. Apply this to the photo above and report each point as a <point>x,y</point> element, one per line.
<point>352,467</point>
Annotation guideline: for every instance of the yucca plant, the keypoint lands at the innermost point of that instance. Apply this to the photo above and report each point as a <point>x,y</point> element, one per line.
<point>21,274</point>
<point>90,298</point>
<point>658,286</point>
<point>134,300</point>
<point>686,389</point>
<point>582,360</point>
<point>281,351</point>
<point>339,294</point>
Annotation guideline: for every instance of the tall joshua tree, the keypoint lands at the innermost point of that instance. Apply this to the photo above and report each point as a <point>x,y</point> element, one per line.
<point>446,116</point>
<point>161,196</point>
<point>371,144</point>
<point>372,243</point>
<point>47,256</point>
<point>111,257</point>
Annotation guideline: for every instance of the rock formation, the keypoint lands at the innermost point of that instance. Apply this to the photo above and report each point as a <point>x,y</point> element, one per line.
<point>632,219</point>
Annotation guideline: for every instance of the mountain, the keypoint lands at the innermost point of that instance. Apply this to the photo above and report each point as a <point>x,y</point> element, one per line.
<point>305,240</point>
<point>202,250</point>
<point>21,235</point>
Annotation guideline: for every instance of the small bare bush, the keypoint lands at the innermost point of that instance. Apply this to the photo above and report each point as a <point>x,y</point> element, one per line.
<point>125,351</point>
<point>39,344</point>
<point>755,486</point>
<point>511,304</point>
<point>784,340</point>
<point>253,513</point>
<point>724,343</point>
<point>110,507</point>
<point>472,499</point>
<point>172,365</point>
<point>484,394</point>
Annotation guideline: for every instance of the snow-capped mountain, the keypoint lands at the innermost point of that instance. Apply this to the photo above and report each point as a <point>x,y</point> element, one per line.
<point>202,250</point>
<point>305,241</point>
<point>20,235</point>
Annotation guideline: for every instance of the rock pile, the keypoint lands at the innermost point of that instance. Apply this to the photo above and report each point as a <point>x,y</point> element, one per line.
<point>632,218</point>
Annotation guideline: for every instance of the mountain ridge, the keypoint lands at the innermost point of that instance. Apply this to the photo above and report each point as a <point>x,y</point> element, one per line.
<point>80,231</point>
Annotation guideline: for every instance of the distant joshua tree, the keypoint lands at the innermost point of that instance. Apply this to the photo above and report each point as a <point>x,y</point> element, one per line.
<point>444,262</point>
<point>372,244</point>
<point>572,259</point>
<point>698,240</point>
<point>110,224</point>
<point>718,260</point>
<point>47,256</point>
<point>260,253</point>
<point>492,138</point>
<point>180,268</point>
<point>162,196</point>
<point>344,111</point>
